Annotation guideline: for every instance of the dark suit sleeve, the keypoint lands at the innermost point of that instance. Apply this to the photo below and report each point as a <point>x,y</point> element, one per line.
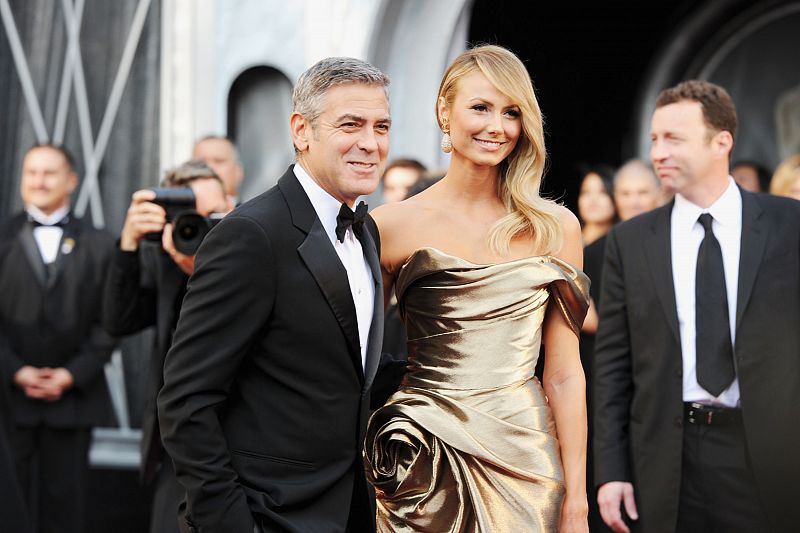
<point>129,303</point>
<point>612,376</point>
<point>96,349</point>
<point>229,300</point>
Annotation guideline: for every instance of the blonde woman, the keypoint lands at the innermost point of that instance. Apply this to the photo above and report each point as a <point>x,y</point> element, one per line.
<point>786,180</point>
<point>484,270</point>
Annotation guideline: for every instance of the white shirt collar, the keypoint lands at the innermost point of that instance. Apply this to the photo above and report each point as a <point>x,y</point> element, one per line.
<point>326,206</point>
<point>726,210</point>
<point>46,220</point>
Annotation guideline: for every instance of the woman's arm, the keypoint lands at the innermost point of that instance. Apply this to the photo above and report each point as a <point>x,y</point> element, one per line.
<point>565,387</point>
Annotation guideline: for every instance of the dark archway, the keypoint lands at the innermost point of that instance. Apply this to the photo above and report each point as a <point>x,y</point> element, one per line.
<point>259,105</point>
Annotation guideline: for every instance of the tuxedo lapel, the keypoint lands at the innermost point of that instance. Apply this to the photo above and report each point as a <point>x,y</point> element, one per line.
<point>375,340</point>
<point>658,251</point>
<point>754,240</point>
<point>323,263</point>
<point>31,250</point>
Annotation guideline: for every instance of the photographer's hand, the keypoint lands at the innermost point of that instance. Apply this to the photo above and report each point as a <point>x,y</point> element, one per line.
<point>184,262</point>
<point>143,217</point>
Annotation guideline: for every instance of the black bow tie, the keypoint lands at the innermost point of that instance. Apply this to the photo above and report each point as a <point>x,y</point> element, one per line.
<point>58,224</point>
<point>347,218</point>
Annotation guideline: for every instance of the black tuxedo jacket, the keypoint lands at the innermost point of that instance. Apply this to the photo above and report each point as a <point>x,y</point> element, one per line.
<point>144,289</point>
<point>54,321</point>
<point>265,402</point>
<point>638,367</point>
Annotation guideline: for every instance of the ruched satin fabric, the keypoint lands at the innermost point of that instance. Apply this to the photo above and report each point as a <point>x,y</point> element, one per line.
<point>468,443</point>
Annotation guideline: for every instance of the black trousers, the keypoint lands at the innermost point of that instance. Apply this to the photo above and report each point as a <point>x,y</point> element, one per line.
<point>52,466</point>
<point>718,490</point>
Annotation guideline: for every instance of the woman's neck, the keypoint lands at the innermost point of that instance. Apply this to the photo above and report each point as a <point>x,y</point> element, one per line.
<point>468,183</point>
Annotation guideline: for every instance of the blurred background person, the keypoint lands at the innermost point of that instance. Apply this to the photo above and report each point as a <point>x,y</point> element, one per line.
<point>595,204</point>
<point>637,189</point>
<point>751,176</point>
<point>597,213</point>
<point>220,153</point>
<point>786,180</point>
<point>145,287</point>
<point>400,177</point>
<point>52,346</point>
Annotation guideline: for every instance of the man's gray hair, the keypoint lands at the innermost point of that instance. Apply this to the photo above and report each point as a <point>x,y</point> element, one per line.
<point>309,93</point>
<point>639,168</point>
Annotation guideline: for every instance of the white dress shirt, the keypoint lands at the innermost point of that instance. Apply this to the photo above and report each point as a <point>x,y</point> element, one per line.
<point>47,236</point>
<point>687,233</point>
<point>359,275</point>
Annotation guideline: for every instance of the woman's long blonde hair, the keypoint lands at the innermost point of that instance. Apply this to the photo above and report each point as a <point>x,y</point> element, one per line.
<point>521,172</point>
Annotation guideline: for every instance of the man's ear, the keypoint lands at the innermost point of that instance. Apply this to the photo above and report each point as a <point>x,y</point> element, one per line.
<point>72,183</point>
<point>301,131</point>
<point>723,142</point>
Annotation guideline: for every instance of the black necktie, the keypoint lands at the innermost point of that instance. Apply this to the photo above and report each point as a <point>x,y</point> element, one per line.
<point>713,342</point>
<point>347,218</point>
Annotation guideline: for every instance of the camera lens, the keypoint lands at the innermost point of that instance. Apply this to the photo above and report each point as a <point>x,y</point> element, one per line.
<point>189,230</point>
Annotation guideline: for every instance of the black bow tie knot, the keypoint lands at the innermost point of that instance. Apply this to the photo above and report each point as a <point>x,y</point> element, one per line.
<point>349,218</point>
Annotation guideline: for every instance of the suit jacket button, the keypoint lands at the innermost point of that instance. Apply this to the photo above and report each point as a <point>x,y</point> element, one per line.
<point>679,372</point>
<point>678,421</point>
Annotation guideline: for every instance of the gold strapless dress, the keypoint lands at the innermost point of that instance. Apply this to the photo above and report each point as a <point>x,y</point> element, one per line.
<point>468,443</point>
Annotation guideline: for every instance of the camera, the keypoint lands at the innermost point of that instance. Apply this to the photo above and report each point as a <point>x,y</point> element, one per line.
<point>188,226</point>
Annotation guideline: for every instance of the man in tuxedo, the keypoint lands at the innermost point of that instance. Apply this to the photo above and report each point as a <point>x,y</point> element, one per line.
<point>52,345</point>
<point>145,287</point>
<point>697,366</point>
<point>267,385</point>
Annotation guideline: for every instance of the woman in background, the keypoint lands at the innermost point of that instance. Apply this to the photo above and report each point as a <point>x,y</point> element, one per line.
<point>786,180</point>
<point>596,203</point>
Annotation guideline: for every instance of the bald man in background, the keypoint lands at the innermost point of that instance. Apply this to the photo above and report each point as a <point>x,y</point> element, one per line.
<point>219,153</point>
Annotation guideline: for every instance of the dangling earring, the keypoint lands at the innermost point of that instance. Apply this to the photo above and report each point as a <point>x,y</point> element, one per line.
<point>447,143</point>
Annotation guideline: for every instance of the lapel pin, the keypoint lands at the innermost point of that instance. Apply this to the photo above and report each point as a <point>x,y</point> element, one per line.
<point>67,246</point>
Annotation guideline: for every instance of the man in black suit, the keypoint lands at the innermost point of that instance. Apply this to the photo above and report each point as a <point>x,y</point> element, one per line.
<point>145,287</point>
<point>52,346</point>
<point>697,366</point>
<point>267,386</point>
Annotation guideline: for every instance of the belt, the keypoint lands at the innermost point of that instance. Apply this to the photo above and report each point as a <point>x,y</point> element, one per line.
<point>704,415</point>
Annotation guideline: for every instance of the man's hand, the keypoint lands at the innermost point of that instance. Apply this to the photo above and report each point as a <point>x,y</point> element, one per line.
<point>610,497</point>
<point>184,262</point>
<point>143,217</point>
<point>46,384</point>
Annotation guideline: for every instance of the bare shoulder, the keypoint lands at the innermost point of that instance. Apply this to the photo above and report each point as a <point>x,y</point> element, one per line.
<point>572,243</point>
<point>397,223</point>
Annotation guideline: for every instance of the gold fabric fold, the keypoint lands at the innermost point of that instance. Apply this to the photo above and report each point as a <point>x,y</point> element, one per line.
<point>468,443</point>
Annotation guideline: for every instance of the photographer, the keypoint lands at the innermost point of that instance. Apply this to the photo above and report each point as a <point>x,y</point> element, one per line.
<point>145,288</point>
